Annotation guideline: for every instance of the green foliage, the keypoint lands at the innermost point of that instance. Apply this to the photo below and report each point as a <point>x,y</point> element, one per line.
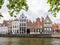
<point>11,13</point>
<point>54,6</point>
<point>1,15</point>
<point>1,3</point>
<point>15,6</point>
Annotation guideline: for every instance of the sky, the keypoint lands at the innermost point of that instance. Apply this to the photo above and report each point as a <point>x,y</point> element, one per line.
<point>37,8</point>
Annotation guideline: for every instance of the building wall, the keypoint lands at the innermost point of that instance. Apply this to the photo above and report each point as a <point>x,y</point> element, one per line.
<point>56,27</point>
<point>3,30</point>
<point>30,26</point>
<point>47,26</point>
<point>8,23</point>
<point>15,27</point>
<point>38,26</point>
<point>23,25</point>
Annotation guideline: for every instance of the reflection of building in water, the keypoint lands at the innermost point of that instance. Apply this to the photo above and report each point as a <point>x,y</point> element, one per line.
<point>55,41</point>
<point>45,41</point>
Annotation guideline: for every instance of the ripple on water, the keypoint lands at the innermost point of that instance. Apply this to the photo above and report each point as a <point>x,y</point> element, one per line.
<point>26,41</point>
<point>56,41</point>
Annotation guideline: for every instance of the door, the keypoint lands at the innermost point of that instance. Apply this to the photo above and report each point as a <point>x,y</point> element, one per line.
<point>28,31</point>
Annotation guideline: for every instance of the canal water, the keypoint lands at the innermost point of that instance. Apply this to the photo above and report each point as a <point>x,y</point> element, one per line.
<point>29,41</point>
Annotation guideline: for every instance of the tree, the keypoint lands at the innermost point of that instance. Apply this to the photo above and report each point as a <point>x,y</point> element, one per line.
<point>17,5</point>
<point>54,6</point>
<point>1,3</point>
<point>14,6</point>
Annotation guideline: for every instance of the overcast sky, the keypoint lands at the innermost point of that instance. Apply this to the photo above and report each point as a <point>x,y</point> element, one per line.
<point>37,8</point>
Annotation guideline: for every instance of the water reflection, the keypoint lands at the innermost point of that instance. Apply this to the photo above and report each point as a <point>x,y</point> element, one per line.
<point>29,41</point>
<point>56,41</point>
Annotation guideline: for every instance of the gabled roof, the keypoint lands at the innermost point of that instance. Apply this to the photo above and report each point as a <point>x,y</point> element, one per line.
<point>47,20</point>
<point>29,23</point>
<point>23,16</point>
<point>38,23</point>
<point>16,19</point>
<point>7,22</point>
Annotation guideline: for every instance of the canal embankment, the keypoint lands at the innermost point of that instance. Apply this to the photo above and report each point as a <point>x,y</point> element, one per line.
<point>31,35</point>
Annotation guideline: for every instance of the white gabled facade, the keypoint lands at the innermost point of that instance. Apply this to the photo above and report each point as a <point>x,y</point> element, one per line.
<point>47,26</point>
<point>23,25</point>
<point>15,27</point>
<point>3,30</point>
<point>19,26</point>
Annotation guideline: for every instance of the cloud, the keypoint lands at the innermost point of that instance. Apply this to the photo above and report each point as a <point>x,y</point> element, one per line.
<point>37,8</point>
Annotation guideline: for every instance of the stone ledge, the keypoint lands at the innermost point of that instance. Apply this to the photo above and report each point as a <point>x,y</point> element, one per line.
<point>31,35</point>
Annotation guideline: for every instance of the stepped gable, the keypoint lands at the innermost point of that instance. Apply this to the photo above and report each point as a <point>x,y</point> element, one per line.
<point>38,23</point>
<point>29,23</point>
<point>7,22</point>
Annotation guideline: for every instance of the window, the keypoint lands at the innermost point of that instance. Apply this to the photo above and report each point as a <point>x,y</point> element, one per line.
<point>24,30</point>
<point>44,28</point>
<point>20,28</point>
<point>22,20</point>
<point>24,24</point>
<point>13,31</point>
<point>17,31</point>
<point>15,26</point>
<point>20,24</point>
<point>34,30</point>
<point>47,28</point>
<point>40,30</point>
<point>50,29</point>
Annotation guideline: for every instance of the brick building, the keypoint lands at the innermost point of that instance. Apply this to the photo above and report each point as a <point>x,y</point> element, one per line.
<point>25,26</point>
